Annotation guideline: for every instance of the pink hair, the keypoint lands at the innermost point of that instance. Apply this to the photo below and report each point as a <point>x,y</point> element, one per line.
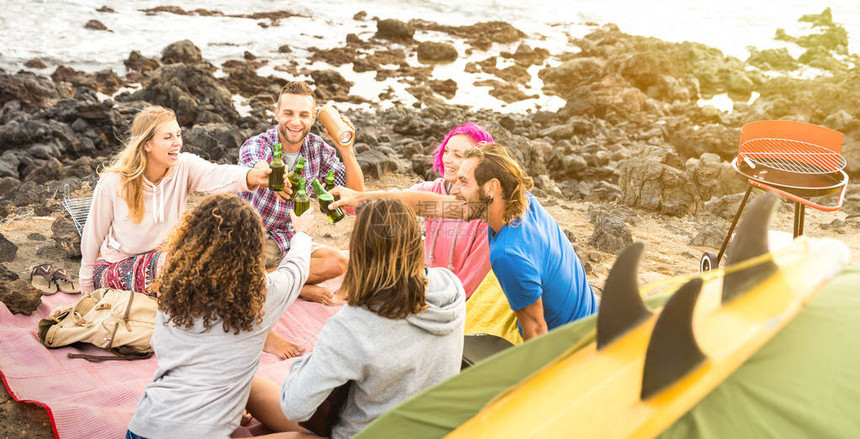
<point>476,132</point>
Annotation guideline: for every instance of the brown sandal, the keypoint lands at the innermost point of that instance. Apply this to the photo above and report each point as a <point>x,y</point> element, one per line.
<point>41,278</point>
<point>63,280</point>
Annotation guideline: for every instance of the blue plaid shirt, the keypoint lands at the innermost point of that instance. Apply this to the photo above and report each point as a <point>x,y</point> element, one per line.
<point>319,159</point>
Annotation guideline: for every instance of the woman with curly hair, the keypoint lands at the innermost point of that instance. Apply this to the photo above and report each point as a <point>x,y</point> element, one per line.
<point>400,332</point>
<point>216,304</point>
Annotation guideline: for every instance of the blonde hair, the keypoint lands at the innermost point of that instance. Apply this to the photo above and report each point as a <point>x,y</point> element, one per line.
<point>495,162</point>
<point>215,267</point>
<point>385,273</point>
<point>130,162</point>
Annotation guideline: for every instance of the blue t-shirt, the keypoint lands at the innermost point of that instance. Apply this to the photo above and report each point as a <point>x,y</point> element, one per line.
<point>533,259</point>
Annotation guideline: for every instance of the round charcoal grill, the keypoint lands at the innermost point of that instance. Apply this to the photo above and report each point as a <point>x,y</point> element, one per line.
<point>788,158</point>
<point>800,168</point>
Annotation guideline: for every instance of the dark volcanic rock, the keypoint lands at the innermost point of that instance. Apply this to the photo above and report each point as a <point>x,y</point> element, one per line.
<point>20,297</point>
<point>525,56</point>
<point>610,234</point>
<point>726,207</point>
<point>35,63</point>
<point>105,81</point>
<point>191,91</point>
<point>183,51</point>
<point>140,63</point>
<point>446,88</point>
<point>336,57</point>
<point>714,177</point>
<point>66,237</point>
<point>504,91</point>
<point>330,84</point>
<point>394,30</point>
<point>481,35</point>
<point>374,163</point>
<point>106,9</point>
<point>514,74</point>
<point>50,169</point>
<point>654,180</point>
<point>95,25</point>
<point>247,82</point>
<point>710,235</point>
<point>7,274</point>
<point>32,90</point>
<point>218,142</point>
<point>773,59</point>
<point>571,74</point>
<point>8,185</point>
<point>711,138</point>
<point>8,250</point>
<point>433,52</point>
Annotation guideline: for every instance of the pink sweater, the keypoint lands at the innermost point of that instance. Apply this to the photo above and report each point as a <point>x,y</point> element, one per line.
<point>109,231</point>
<point>460,246</point>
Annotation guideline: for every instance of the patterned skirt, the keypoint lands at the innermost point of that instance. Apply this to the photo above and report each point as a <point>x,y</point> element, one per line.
<point>133,274</point>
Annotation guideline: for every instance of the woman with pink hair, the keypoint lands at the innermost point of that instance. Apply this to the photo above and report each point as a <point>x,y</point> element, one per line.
<point>460,246</point>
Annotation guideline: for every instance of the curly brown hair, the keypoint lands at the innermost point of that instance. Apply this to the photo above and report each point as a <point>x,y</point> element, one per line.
<point>385,273</point>
<point>215,266</point>
<point>495,162</point>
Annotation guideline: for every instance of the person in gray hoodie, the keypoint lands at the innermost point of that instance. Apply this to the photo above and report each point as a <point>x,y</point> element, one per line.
<point>400,332</point>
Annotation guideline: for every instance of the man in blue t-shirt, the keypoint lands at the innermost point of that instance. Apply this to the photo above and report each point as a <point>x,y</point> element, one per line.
<point>537,268</point>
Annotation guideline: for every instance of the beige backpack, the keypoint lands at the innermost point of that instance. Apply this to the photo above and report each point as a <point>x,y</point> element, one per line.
<point>119,321</point>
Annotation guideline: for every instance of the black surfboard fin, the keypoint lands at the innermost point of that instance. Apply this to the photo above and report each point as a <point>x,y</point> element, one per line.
<point>750,241</point>
<point>621,306</point>
<point>673,351</point>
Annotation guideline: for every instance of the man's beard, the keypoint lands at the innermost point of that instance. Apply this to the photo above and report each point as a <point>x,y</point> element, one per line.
<point>285,135</point>
<point>476,209</point>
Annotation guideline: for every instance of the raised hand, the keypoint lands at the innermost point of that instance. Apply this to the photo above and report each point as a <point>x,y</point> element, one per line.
<point>258,176</point>
<point>304,223</point>
<point>348,197</point>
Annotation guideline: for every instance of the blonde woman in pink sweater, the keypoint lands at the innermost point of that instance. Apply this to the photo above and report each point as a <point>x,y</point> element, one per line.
<point>141,196</point>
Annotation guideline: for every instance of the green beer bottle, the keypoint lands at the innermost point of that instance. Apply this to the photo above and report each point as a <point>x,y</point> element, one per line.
<point>329,180</point>
<point>294,176</point>
<point>303,201</point>
<point>276,178</point>
<point>325,199</point>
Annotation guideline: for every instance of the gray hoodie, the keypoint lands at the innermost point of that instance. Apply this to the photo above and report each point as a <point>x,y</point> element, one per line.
<point>388,360</point>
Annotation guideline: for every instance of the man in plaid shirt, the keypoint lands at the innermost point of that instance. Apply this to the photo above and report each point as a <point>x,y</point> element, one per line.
<point>295,112</point>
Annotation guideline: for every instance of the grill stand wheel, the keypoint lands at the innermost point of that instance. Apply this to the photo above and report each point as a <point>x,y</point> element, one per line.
<point>707,263</point>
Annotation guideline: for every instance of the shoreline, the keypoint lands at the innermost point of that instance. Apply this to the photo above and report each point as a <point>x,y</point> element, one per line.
<point>628,156</point>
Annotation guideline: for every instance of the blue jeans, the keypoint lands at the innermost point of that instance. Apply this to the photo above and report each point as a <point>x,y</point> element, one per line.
<point>130,435</point>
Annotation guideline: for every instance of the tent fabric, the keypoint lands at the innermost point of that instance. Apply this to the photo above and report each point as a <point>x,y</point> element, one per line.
<point>802,383</point>
<point>488,312</point>
<point>97,400</point>
<point>805,382</point>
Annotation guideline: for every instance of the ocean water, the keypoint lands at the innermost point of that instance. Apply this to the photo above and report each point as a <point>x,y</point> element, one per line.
<point>54,31</point>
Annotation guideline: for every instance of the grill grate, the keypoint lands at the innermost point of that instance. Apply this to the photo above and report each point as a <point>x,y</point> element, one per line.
<point>78,208</point>
<point>791,156</point>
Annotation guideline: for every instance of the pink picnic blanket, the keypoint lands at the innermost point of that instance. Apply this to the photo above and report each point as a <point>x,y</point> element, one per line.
<point>97,400</point>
